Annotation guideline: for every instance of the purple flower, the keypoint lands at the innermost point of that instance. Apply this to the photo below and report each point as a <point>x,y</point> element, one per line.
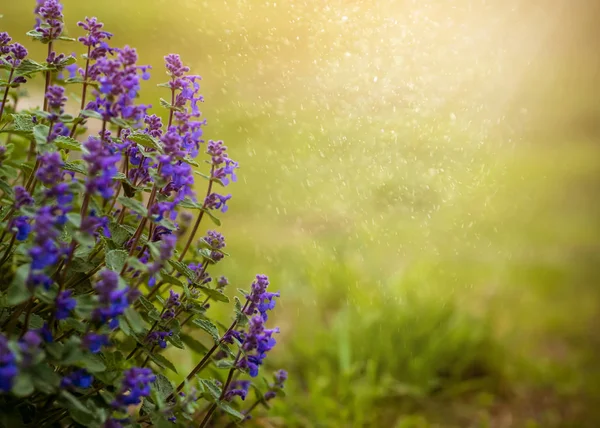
<point>50,171</point>
<point>8,365</point>
<point>112,300</point>
<point>159,338</point>
<point>16,54</point>
<point>29,345</point>
<point>216,242</point>
<point>95,34</point>
<point>135,386</point>
<point>94,342</point>
<point>22,197</point>
<point>79,378</point>
<point>102,159</point>
<point>215,201</point>
<point>64,304</point>
<point>259,299</point>
<point>56,101</point>
<point>45,251</point>
<point>237,388</point>
<point>174,65</point>
<point>153,126</point>
<point>51,23</point>
<point>256,343</point>
<point>22,226</point>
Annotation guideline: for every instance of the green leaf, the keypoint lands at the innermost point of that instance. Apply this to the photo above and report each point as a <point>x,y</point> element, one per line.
<point>189,204</point>
<point>214,294</point>
<point>162,362</point>
<point>240,316</point>
<point>23,385</point>
<point>18,292</point>
<point>193,344</point>
<point>115,259</point>
<point>134,320</point>
<point>29,67</point>
<point>73,402</point>
<point>67,143</point>
<point>92,363</point>
<point>230,410</point>
<point>134,205</point>
<point>22,122</point>
<point>163,386</point>
<point>76,166</point>
<point>212,388</point>
<point>147,141</point>
<point>40,133</point>
<point>147,304</point>
<point>169,279</point>
<point>183,269</point>
<point>208,327</point>
<point>45,379</point>
<point>176,341</point>
<point>118,234</point>
<point>91,113</point>
<point>214,219</point>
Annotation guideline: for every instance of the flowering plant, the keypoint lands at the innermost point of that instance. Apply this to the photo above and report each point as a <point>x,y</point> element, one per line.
<point>100,265</point>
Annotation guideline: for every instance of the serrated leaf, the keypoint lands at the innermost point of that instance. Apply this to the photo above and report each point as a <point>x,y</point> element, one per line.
<point>176,341</point>
<point>163,386</point>
<point>147,141</point>
<point>67,143</point>
<point>214,294</point>
<point>147,304</point>
<point>183,269</point>
<point>40,134</point>
<point>118,234</point>
<point>115,259</point>
<point>161,361</point>
<point>208,327</point>
<point>211,387</point>
<point>134,205</point>
<point>29,67</point>
<point>22,122</point>
<point>76,166</point>
<point>169,279</point>
<point>240,317</point>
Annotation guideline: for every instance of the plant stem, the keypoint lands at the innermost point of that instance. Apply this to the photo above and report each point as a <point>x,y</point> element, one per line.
<point>213,407</point>
<point>12,70</point>
<point>48,76</point>
<point>199,219</point>
<point>84,92</point>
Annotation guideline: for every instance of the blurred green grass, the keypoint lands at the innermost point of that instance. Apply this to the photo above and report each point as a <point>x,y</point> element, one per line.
<point>419,182</point>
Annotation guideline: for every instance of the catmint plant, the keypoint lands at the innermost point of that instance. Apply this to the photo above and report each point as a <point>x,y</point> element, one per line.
<point>102,263</point>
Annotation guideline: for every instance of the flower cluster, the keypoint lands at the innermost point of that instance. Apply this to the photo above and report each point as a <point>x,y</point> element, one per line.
<point>102,261</point>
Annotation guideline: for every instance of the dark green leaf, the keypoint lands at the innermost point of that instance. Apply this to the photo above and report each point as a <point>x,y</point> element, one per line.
<point>92,363</point>
<point>45,379</point>
<point>163,386</point>
<point>214,219</point>
<point>73,402</point>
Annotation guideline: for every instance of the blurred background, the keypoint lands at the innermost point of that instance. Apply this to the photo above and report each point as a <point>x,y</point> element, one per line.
<point>419,179</point>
